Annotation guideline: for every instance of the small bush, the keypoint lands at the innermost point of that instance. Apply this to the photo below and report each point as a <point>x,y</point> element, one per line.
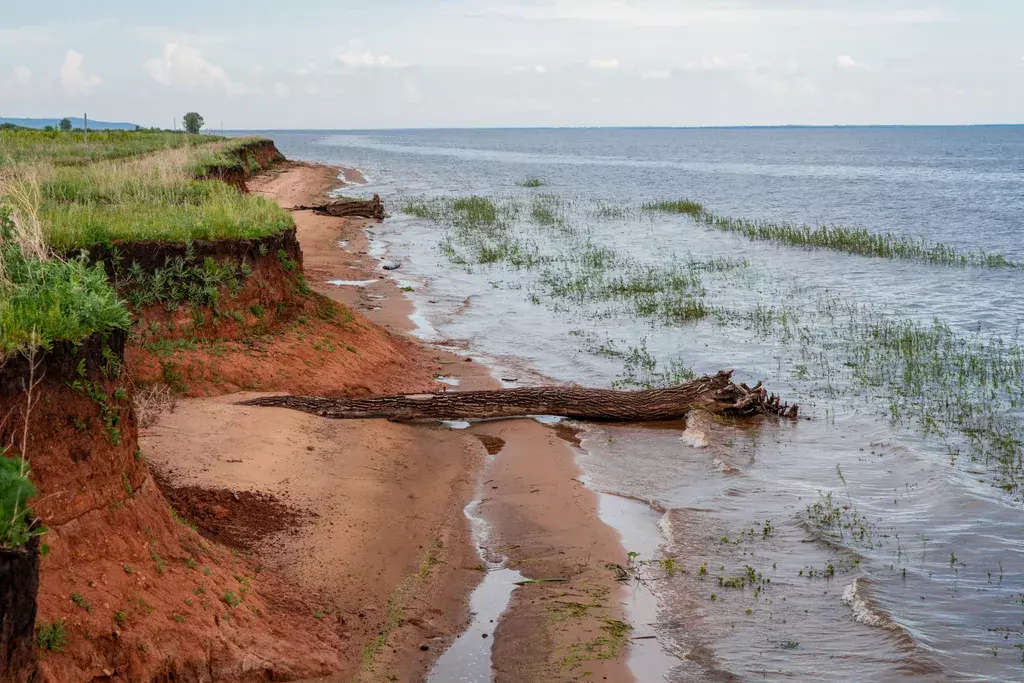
<point>15,492</point>
<point>51,636</point>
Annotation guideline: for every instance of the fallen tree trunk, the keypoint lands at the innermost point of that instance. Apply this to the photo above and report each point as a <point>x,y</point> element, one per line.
<point>348,208</point>
<point>716,394</point>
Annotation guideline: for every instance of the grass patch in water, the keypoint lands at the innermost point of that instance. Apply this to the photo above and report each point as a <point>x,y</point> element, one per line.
<point>858,241</point>
<point>684,206</point>
<point>478,230</point>
<point>531,182</point>
<point>964,389</point>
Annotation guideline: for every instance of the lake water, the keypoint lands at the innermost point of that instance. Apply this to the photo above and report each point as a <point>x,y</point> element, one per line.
<point>878,541</point>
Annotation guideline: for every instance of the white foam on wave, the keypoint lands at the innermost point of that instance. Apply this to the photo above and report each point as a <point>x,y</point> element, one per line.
<point>696,438</point>
<point>862,611</point>
<point>723,466</point>
<point>351,283</point>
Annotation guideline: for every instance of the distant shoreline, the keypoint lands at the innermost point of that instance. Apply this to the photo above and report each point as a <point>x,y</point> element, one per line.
<point>868,126</point>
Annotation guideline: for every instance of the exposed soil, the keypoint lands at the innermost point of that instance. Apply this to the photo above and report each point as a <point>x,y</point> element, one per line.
<point>387,552</point>
<point>253,158</point>
<point>237,519</point>
<point>324,349</point>
<point>535,502</point>
<point>388,560</point>
<point>141,596</point>
<point>267,289</point>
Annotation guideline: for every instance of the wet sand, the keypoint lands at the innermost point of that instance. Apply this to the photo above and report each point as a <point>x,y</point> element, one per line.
<point>389,554</point>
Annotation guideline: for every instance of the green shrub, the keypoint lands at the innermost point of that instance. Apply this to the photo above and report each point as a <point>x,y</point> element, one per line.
<point>51,637</point>
<point>15,492</point>
<point>43,301</point>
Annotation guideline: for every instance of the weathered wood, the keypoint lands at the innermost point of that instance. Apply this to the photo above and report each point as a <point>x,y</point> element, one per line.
<point>717,394</point>
<point>348,208</point>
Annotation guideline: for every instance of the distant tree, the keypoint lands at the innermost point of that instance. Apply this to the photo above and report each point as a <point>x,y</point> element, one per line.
<point>48,128</point>
<point>65,124</point>
<point>192,122</point>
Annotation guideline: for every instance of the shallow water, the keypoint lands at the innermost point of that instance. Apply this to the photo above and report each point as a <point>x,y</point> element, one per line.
<point>927,582</point>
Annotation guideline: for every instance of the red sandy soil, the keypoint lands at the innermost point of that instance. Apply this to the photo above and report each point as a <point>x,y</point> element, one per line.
<point>140,595</point>
<point>384,549</point>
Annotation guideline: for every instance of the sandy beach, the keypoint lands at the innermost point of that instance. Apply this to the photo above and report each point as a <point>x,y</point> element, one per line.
<point>379,546</point>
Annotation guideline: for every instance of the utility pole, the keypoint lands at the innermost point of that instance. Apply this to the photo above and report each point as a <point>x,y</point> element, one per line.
<point>85,120</point>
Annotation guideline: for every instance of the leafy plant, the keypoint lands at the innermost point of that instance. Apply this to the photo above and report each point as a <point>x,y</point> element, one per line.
<point>51,637</point>
<point>15,515</point>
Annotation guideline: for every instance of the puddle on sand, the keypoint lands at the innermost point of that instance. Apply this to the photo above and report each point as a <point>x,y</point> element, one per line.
<point>351,283</point>
<point>638,525</point>
<point>469,657</point>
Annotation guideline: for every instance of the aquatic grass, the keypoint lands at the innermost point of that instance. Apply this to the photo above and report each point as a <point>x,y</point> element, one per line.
<point>965,390</point>
<point>683,206</point>
<point>547,211</point>
<point>531,182</point>
<point>858,241</point>
<point>478,230</point>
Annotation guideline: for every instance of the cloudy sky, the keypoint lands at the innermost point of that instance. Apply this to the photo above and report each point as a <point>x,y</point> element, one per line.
<point>427,63</point>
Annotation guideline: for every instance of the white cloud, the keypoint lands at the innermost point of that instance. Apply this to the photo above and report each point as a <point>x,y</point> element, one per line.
<point>716,63</point>
<point>356,56</point>
<point>281,90</point>
<point>73,79</point>
<point>184,66</point>
<point>657,75</point>
<point>22,75</point>
<point>848,62</point>
<point>604,63</point>
<point>304,70</point>
<point>674,13</point>
<point>536,68</point>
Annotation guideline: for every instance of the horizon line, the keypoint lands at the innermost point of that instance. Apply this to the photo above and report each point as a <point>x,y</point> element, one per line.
<point>640,127</point>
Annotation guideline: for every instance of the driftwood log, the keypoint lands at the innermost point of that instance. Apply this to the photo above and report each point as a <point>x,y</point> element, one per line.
<point>717,394</point>
<point>348,208</point>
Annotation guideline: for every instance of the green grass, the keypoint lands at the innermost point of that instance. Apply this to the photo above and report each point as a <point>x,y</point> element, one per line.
<point>963,390</point>
<point>131,196</point>
<point>45,301</point>
<point>51,637</point>
<point>685,206</point>
<point>71,149</point>
<point>15,492</point>
<point>231,599</point>
<point>531,182</point>
<point>223,213</point>
<point>859,241</point>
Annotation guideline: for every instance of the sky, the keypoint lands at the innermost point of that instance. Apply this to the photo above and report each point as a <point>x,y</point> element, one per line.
<point>336,64</point>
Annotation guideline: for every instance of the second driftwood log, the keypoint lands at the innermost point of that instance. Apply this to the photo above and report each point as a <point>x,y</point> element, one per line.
<point>349,208</point>
<point>715,394</point>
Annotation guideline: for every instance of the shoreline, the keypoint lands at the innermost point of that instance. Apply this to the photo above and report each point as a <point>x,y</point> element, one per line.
<point>395,555</point>
<point>559,534</point>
